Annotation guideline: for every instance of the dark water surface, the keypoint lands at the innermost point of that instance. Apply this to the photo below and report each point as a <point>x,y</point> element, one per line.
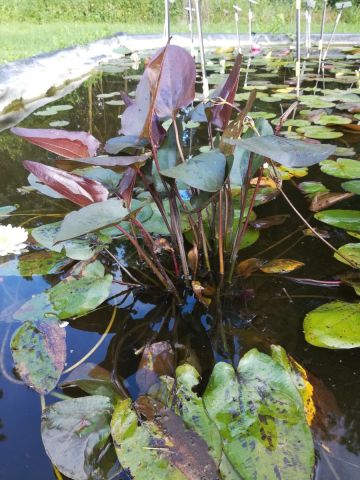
<point>224,332</point>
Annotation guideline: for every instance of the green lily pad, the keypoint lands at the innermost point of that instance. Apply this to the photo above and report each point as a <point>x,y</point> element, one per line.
<point>296,123</point>
<point>353,186</point>
<point>341,168</point>
<point>313,101</point>
<point>333,120</point>
<point>69,298</point>
<point>344,152</point>
<point>76,434</point>
<point>334,325</point>
<point>53,110</point>
<point>266,115</point>
<point>39,353</point>
<point>319,132</point>
<point>59,123</point>
<point>346,219</point>
<point>350,251</point>
<point>5,211</point>
<point>312,188</point>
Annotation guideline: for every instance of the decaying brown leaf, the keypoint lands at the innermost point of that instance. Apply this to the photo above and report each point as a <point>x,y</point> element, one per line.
<point>281,265</point>
<point>322,201</point>
<point>248,266</point>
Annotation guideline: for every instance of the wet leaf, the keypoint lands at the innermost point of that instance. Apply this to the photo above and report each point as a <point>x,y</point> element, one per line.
<point>90,218</point>
<point>167,449</point>
<point>92,379</point>
<point>157,359</point>
<point>346,219</point>
<point>334,325</point>
<point>68,298</point>
<point>76,249</point>
<point>63,143</point>
<point>205,171</point>
<point>290,153</point>
<point>350,251</point>
<point>75,434</point>
<point>75,188</point>
<point>5,211</point>
<point>260,415</point>
<point>281,265</point>
<point>325,200</point>
<point>39,353</point>
<point>353,186</point>
<point>341,168</point>
<point>35,263</point>
<point>249,266</point>
<point>312,188</point>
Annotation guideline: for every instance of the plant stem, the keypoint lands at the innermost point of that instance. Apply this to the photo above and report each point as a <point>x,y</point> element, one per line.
<point>176,223</point>
<point>181,153</point>
<point>221,238</point>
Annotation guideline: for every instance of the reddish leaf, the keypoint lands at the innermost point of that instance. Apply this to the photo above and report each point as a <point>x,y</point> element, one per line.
<point>220,114</point>
<point>107,161</point>
<point>65,144</point>
<point>127,184</point>
<point>126,99</point>
<point>79,190</point>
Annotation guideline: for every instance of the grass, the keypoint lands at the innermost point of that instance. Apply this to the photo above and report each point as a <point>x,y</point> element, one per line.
<point>24,39</point>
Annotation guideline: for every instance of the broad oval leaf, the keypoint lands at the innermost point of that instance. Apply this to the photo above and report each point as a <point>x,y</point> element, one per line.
<point>75,434</point>
<point>260,415</point>
<point>205,171</point>
<point>39,353</point>
<point>350,251</point>
<point>288,152</point>
<point>5,211</point>
<point>346,219</point>
<point>341,168</point>
<point>352,186</point>
<point>334,325</point>
<point>75,188</point>
<point>117,144</point>
<point>90,218</point>
<point>63,143</point>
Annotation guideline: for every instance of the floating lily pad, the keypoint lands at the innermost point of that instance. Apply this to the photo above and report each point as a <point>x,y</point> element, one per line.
<point>350,251</point>
<point>39,353</point>
<point>5,211</point>
<point>334,325</point>
<point>53,110</point>
<point>319,132</point>
<point>59,123</point>
<point>333,120</point>
<point>313,101</point>
<point>341,168</point>
<point>296,123</point>
<point>346,219</point>
<point>353,186</point>
<point>311,188</point>
<point>344,152</point>
<point>266,115</point>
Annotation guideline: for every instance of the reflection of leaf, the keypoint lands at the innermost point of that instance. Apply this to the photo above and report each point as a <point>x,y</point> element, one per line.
<point>157,359</point>
<point>346,219</point>
<point>39,353</point>
<point>281,265</point>
<point>35,263</point>
<point>61,142</point>
<point>260,415</point>
<point>334,325</point>
<point>75,434</point>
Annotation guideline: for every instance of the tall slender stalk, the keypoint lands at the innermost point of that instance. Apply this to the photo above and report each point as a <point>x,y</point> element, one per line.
<point>202,51</point>
<point>221,234</point>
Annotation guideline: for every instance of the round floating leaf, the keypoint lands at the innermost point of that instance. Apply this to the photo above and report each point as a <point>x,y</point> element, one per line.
<point>281,265</point>
<point>313,101</point>
<point>322,133</point>
<point>332,120</point>
<point>266,115</point>
<point>296,123</point>
<point>5,211</point>
<point>344,152</point>
<point>341,168</point>
<point>346,219</point>
<point>334,325</point>
<point>352,186</point>
<point>350,251</point>
<point>75,434</point>
<point>311,188</point>
<point>260,416</point>
<point>39,353</point>
<point>59,123</point>
<point>205,171</point>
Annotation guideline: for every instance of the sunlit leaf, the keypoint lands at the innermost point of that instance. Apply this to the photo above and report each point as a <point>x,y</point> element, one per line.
<point>334,325</point>
<point>325,200</point>
<point>281,265</point>
<point>333,120</point>
<point>352,186</point>
<point>39,352</point>
<point>246,267</point>
<point>5,211</point>
<point>346,219</point>
<point>61,142</point>
<point>350,251</point>
<point>341,168</point>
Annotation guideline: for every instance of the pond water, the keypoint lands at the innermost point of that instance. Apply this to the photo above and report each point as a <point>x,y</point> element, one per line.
<point>268,309</point>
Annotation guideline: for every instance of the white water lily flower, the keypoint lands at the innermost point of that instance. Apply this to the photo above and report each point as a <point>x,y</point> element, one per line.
<point>12,239</point>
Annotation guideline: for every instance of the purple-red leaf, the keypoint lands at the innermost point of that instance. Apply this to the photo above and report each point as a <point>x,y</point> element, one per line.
<point>120,161</point>
<point>127,185</point>
<point>79,190</point>
<point>66,144</point>
<point>220,114</point>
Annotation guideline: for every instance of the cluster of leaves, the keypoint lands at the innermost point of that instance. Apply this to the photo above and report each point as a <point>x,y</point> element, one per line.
<point>252,421</point>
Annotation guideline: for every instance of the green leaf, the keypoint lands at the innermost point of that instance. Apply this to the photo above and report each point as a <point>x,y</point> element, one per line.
<point>353,186</point>
<point>350,251</point>
<point>68,298</point>
<point>39,353</point>
<point>78,249</point>
<point>319,132</point>
<point>334,325</point>
<point>106,176</point>
<point>4,211</point>
<point>288,152</point>
<point>341,168</point>
<point>333,120</point>
<point>205,171</point>
<point>168,156</point>
<point>312,188</point>
<point>346,219</point>
<point>30,264</point>
<point>260,415</point>
<point>118,144</point>
<point>76,434</point>
<point>90,218</point>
